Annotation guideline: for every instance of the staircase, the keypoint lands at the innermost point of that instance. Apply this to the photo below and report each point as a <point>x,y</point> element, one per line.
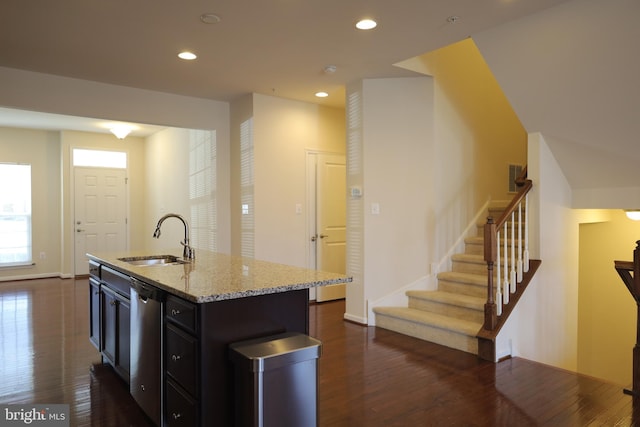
<point>453,314</point>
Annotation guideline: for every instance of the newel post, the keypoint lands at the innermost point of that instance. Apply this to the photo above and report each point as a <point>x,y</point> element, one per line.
<point>490,256</point>
<point>636,349</point>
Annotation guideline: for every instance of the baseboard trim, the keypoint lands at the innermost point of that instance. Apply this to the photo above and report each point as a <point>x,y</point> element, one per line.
<point>355,319</point>
<point>35,276</point>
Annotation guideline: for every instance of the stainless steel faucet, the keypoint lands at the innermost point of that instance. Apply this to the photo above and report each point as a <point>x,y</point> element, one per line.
<point>188,252</point>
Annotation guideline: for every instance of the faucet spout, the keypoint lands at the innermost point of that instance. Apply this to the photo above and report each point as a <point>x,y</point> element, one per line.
<point>188,252</point>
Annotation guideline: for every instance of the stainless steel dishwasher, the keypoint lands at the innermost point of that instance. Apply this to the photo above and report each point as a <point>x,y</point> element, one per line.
<point>147,306</point>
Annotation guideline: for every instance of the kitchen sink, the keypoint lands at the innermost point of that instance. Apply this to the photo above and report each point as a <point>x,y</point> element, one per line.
<point>154,260</point>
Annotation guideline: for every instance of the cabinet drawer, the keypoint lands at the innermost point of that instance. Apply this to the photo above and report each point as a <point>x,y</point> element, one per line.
<point>181,356</point>
<point>181,312</point>
<point>117,281</point>
<point>180,409</point>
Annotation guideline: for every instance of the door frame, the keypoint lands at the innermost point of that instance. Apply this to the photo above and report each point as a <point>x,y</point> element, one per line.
<point>311,206</point>
<point>72,198</point>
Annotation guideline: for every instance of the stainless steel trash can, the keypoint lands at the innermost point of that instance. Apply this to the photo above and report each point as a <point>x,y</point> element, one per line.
<point>276,381</point>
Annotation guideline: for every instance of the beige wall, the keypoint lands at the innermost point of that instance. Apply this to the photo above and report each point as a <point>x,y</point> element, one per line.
<point>397,164</point>
<point>606,310</point>
<point>283,132</point>
<point>544,325</point>
<point>40,149</point>
<point>472,135</point>
<point>476,128</point>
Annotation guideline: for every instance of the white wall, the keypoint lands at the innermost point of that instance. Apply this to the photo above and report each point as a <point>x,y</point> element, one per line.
<point>544,326</point>
<point>284,131</point>
<point>167,174</point>
<point>62,95</point>
<point>53,94</point>
<point>398,175</point>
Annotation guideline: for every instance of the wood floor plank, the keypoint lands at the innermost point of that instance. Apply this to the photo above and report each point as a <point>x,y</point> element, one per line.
<point>367,376</point>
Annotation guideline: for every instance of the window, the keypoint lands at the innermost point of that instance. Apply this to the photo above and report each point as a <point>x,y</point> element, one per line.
<point>15,215</point>
<point>99,158</point>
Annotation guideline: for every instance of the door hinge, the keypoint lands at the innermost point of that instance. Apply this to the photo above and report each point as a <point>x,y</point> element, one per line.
<point>126,180</point>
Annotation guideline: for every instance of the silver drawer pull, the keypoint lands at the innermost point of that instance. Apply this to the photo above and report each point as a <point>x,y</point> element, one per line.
<point>175,357</point>
<point>176,415</point>
<point>175,312</point>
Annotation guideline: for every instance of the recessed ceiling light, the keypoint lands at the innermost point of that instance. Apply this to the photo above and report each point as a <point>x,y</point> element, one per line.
<point>322,94</point>
<point>188,56</point>
<point>210,18</point>
<point>366,24</point>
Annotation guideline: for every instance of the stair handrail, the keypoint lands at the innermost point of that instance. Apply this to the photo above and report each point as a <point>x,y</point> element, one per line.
<point>493,308</point>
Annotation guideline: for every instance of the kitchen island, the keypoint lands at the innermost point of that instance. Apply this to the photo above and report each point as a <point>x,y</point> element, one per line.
<point>203,306</point>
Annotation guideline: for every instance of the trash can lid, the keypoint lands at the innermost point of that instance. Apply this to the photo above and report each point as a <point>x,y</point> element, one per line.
<point>275,351</point>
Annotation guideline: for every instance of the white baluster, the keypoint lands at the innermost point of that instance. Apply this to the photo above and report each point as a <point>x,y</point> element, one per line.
<point>499,283</point>
<point>512,278</point>
<point>526,233</point>
<point>520,242</point>
<point>505,283</point>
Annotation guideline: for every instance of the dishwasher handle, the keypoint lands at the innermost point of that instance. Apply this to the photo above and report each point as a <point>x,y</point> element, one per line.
<point>146,291</point>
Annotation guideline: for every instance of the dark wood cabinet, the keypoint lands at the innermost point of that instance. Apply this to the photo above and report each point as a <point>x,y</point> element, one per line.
<point>110,319</point>
<point>116,330</point>
<point>181,362</point>
<point>197,376</point>
<point>94,312</point>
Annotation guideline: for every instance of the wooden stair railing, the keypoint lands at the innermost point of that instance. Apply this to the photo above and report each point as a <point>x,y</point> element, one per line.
<point>629,272</point>
<point>514,274</point>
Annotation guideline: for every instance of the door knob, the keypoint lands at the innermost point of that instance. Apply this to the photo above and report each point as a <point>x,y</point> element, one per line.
<point>79,230</point>
<point>322,236</point>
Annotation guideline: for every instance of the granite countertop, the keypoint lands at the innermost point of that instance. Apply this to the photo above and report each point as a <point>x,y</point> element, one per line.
<point>215,277</point>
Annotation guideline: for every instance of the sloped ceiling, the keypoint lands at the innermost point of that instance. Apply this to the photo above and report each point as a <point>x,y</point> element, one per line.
<point>572,73</point>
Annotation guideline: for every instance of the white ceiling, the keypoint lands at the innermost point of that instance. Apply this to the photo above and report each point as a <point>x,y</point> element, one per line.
<point>275,47</point>
<point>569,68</point>
<point>576,82</point>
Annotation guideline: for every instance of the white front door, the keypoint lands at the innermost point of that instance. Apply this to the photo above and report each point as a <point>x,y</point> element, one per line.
<point>331,221</point>
<point>100,221</point>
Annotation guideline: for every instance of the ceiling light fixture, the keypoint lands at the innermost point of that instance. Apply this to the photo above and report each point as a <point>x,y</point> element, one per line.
<point>366,24</point>
<point>322,94</point>
<point>121,131</point>
<point>330,69</point>
<point>187,56</point>
<point>633,214</point>
<point>210,18</point>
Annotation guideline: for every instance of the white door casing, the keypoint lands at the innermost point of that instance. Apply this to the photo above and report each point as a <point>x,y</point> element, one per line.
<point>100,213</point>
<point>330,235</point>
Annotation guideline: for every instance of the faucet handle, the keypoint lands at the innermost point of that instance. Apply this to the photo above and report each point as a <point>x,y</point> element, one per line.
<point>188,252</point>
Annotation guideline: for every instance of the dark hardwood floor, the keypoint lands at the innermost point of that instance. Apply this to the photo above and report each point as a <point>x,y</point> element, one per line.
<point>368,376</point>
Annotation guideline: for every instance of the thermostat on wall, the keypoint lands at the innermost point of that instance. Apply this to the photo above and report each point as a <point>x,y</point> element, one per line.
<point>355,192</point>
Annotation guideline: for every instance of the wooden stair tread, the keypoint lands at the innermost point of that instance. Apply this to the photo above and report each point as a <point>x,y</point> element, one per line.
<point>471,258</point>
<point>463,327</point>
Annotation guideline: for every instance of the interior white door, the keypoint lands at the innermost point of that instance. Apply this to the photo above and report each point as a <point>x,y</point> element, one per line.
<point>331,217</point>
<point>100,220</point>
